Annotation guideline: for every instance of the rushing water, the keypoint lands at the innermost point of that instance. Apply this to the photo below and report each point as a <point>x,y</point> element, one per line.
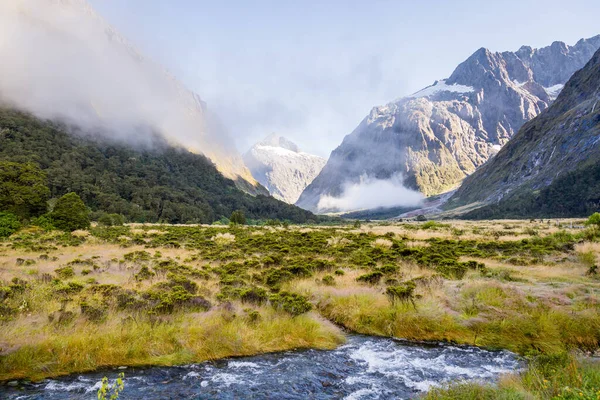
<point>364,368</point>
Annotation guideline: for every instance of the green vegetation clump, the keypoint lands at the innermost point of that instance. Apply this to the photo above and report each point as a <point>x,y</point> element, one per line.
<point>9,224</point>
<point>403,293</point>
<point>371,278</point>
<point>111,219</point>
<point>291,303</point>
<point>237,218</point>
<point>70,213</point>
<point>65,272</point>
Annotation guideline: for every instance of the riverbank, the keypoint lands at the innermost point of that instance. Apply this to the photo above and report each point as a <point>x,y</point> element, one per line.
<point>168,295</point>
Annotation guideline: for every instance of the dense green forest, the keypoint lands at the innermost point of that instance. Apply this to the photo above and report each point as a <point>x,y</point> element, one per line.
<point>576,194</point>
<point>158,184</point>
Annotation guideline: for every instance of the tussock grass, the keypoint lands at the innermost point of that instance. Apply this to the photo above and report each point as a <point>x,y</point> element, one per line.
<point>548,377</point>
<point>179,340</point>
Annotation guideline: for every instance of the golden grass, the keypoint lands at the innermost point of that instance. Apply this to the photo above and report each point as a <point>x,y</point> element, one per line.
<point>51,351</point>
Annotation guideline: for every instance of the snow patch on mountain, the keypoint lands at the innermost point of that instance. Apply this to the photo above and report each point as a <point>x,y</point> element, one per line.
<point>441,86</point>
<point>554,90</point>
<point>280,166</point>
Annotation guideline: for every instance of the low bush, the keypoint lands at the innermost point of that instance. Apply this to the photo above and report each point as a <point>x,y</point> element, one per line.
<point>371,278</point>
<point>292,303</point>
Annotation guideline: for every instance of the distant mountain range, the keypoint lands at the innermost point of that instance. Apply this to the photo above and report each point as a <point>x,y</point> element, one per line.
<point>441,134</point>
<point>280,166</point>
<point>551,168</point>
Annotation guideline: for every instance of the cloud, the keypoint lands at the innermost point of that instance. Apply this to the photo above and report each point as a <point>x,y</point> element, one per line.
<point>60,60</point>
<point>371,193</point>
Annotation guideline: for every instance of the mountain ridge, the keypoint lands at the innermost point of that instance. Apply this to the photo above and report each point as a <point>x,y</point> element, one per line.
<point>443,133</point>
<point>552,166</point>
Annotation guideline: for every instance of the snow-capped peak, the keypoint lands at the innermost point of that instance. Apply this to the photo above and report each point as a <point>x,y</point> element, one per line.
<point>279,165</point>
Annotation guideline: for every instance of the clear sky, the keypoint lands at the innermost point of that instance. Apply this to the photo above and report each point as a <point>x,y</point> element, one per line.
<point>311,70</point>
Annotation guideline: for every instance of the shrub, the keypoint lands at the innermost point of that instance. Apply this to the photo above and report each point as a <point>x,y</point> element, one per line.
<point>403,293</point>
<point>237,218</point>
<point>44,222</point>
<point>111,220</point>
<point>371,278</point>
<point>70,213</point>
<point>144,274</point>
<point>65,272</point>
<point>68,288</point>
<point>254,295</point>
<point>91,312</point>
<point>388,269</point>
<point>292,303</point>
<point>9,224</point>
<point>594,219</point>
<point>328,280</point>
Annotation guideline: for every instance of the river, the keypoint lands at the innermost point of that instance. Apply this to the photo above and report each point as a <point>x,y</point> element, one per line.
<point>363,368</point>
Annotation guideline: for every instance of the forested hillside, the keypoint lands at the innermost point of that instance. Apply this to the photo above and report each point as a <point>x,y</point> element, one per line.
<point>157,183</point>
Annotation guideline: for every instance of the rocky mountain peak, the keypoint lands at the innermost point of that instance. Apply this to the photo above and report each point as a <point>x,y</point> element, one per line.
<point>552,165</point>
<point>443,133</point>
<point>275,140</point>
<point>279,165</point>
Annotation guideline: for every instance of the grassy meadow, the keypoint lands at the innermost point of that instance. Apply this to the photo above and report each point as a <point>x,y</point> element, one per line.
<point>168,294</point>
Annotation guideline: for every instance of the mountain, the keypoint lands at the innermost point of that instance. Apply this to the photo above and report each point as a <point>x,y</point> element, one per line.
<point>551,168</point>
<point>282,168</point>
<point>158,182</point>
<point>78,69</point>
<point>441,134</point>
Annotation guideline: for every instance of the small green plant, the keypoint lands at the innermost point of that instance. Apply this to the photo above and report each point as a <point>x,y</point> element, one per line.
<point>328,280</point>
<point>111,392</point>
<point>65,272</point>
<point>402,293</point>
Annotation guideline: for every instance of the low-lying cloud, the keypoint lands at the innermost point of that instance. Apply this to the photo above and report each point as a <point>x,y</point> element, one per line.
<point>60,60</point>
<point>370,193</point>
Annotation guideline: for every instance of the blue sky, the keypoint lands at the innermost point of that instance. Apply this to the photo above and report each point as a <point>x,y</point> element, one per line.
<point>311,70</point>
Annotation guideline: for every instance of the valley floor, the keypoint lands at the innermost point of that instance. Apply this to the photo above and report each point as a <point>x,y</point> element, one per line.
<point>166,295</point>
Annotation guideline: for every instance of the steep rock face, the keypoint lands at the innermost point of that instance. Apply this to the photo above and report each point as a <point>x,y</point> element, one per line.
<point>552,166</point>
<point>442,133</point>
<point>79,69</point>
<point>280,166</point>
